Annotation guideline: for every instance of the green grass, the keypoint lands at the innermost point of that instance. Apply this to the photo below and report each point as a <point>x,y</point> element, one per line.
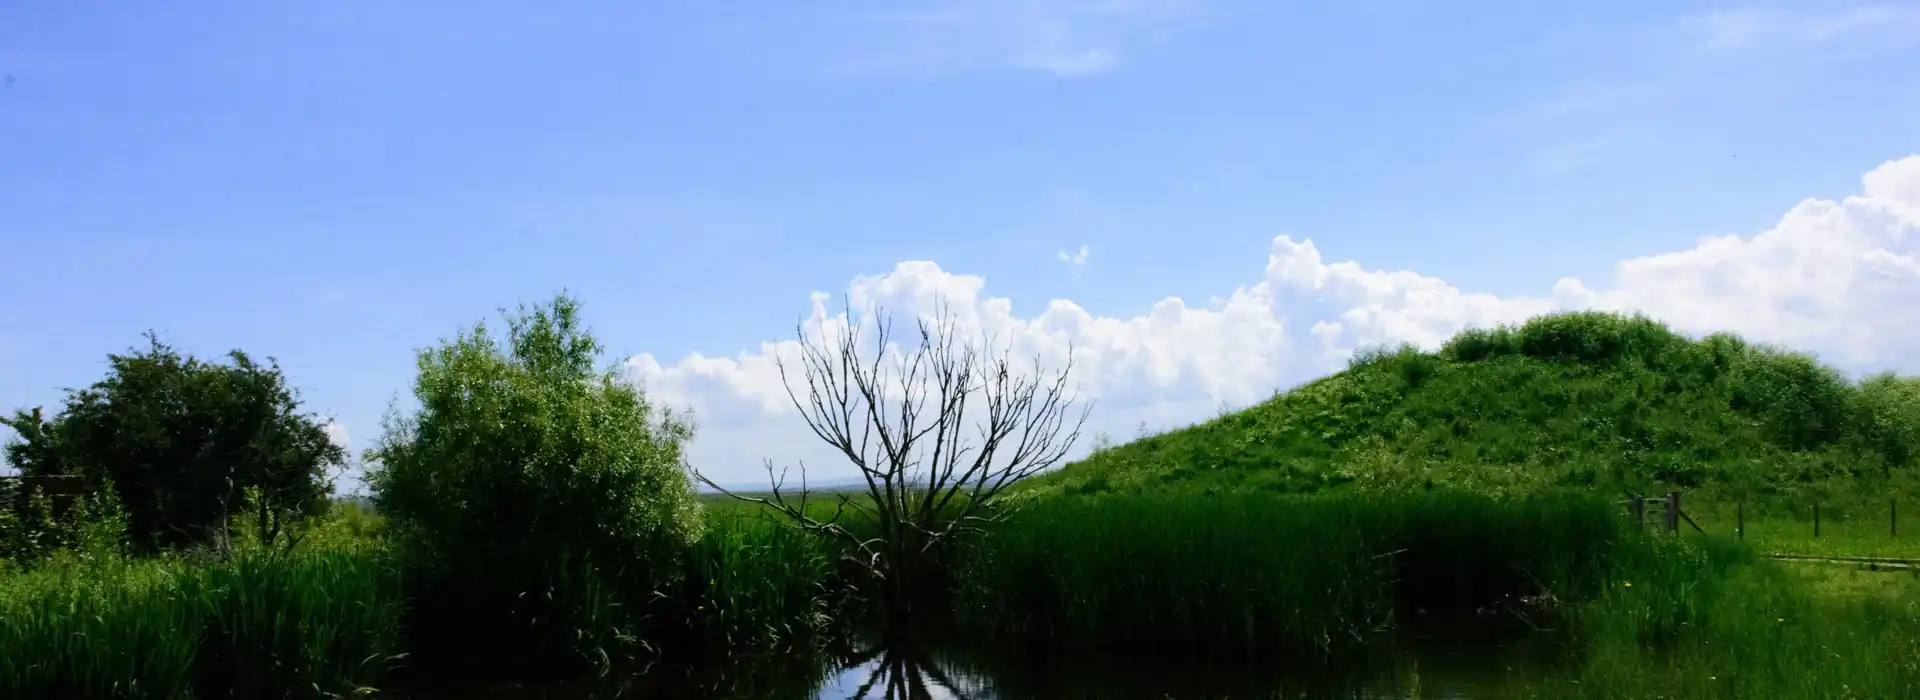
<point>1850,525</point>
<point>1581,400</point>
<point>319,620</point>
<point>1694,619</point>
<point>1248,573</point>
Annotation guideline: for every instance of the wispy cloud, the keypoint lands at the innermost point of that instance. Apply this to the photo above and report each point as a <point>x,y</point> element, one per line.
<point>1725,32</point>
<point>1060,38</point>
<point>1078,259</point>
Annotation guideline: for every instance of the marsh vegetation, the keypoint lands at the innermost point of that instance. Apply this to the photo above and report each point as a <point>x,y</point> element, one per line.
<point>1443,523</point>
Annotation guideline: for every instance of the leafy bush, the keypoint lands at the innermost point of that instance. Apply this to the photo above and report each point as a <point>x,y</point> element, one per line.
<point>92,527</point>
<point>541,501</point>
<point>1886,417</point>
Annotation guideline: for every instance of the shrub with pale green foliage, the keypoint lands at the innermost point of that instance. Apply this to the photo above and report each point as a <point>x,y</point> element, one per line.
<point>541,500</point>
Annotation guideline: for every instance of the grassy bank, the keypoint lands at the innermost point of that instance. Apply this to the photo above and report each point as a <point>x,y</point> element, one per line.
<point>322,620</point>
<point>1580,400</point>
<point>1705,618</point>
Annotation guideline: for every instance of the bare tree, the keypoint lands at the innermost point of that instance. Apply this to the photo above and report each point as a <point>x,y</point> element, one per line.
<point>938,430</point>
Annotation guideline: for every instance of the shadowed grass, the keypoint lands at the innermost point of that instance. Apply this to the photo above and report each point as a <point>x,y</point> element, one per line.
<point>1245,573</point>
<point>755,584</point>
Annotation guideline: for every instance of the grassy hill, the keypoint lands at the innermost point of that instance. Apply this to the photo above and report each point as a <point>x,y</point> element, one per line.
<point>1574,399</point>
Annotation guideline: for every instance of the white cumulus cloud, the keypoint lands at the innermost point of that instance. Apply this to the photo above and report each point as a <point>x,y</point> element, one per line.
<point>1841,278</point>
<point>337,432</point>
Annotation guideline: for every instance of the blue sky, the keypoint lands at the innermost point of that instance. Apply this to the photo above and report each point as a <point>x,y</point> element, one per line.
<point>340,183</point>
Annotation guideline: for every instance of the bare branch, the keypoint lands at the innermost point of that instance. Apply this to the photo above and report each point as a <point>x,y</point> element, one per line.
<point>938,431</point>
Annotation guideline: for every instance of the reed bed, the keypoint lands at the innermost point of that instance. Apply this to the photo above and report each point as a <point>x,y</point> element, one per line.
<point>1250,573</point>
<point>756,584</point>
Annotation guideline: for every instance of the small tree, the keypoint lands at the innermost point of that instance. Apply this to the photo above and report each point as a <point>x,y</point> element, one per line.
<point>533,487</point>
<point>938,431</point>
<point>180,441</point>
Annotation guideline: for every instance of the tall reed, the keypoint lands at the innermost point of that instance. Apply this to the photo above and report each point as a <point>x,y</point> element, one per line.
<point>755,584</point>
<point>1245,573</point>
<point>311,622</point>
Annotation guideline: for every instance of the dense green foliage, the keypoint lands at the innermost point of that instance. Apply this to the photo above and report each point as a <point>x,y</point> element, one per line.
<point>34,531</point>
<point>180,440</point>
<point>1251,573</point>
<point>1575,399</point>
<point>541,502</point>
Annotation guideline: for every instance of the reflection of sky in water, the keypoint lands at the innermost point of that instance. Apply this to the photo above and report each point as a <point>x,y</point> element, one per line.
<point>884,678</point>
<point>875,678</point>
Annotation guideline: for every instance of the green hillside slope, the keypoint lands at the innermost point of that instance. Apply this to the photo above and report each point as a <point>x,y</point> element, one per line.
<point>1587,399</point>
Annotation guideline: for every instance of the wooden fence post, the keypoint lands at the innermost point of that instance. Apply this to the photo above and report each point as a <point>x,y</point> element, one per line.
<point>1640,510</point>
<point>1816,520</point>
<point>1740,519</point>
<point>1673,513</point>
<point>1893,516</point>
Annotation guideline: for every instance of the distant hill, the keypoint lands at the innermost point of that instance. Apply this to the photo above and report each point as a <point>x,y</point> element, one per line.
<point>1580,399</point>
<point>836,484</point>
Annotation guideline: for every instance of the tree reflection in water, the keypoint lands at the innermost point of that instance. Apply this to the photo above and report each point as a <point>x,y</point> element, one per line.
<point>900,669</point>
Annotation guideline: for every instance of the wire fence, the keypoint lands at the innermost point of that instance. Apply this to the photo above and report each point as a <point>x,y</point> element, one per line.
<point>1864,528</point>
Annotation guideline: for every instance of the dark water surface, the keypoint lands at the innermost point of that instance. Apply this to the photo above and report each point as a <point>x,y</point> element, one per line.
<point>1465,662</point>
